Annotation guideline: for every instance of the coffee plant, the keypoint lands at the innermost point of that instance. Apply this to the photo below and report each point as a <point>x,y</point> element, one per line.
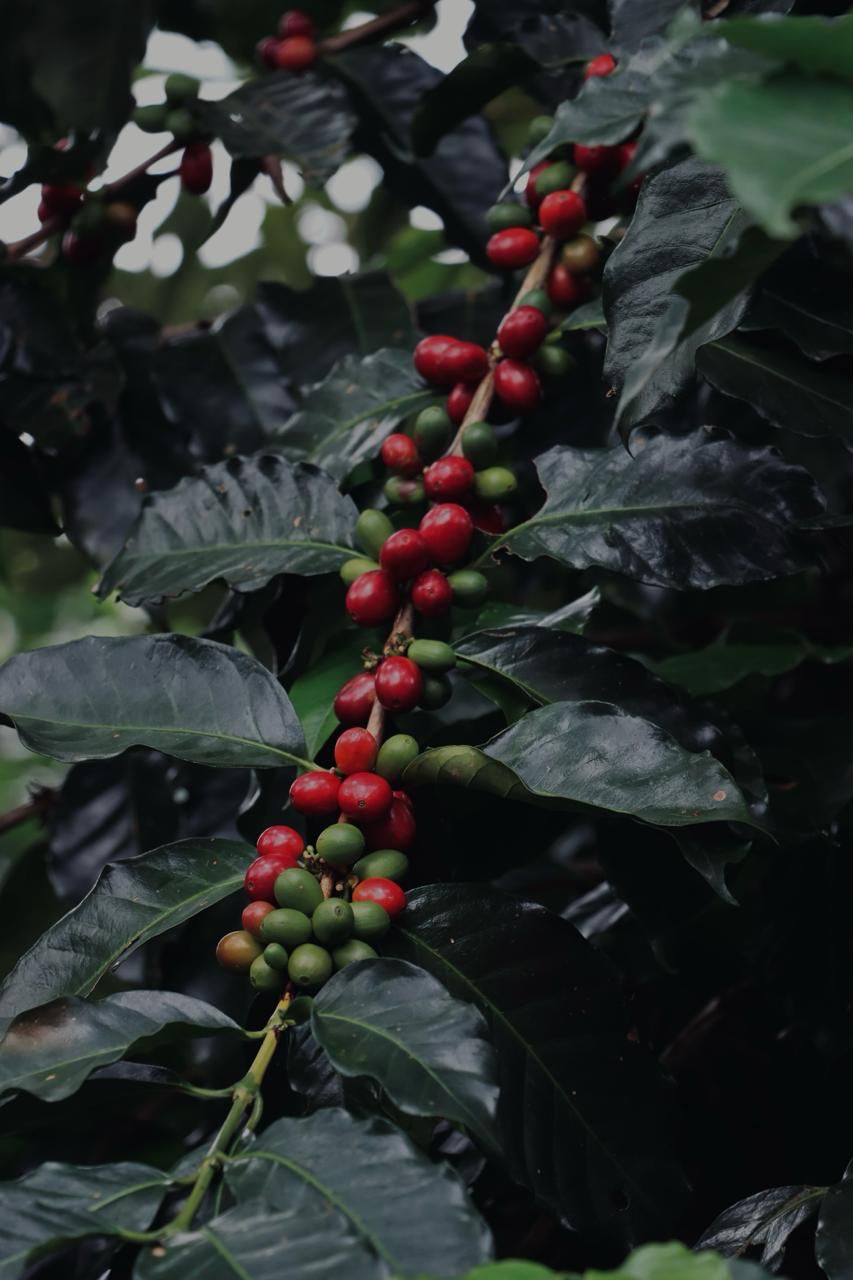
<point>437,865</point>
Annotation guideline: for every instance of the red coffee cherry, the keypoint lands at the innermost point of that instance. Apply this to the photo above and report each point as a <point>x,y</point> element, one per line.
<point>356,751</point>
<point>284,842</point>
<point>404,554</point>
<point>431,594</point>
<point>266,52</point>
<point>261,876</point>
<point>399,684</point>
<point>428,358</point>
<point>459,402</point>
<point>530,193</point>
<point>253,916</point>
<point>400,455</point>
<point>447,531</point>
<point>466,361</point>
<point>296,53</point>
<point>355,698</point>
<point>595,159</point>
<point>517,386</point>
<point>603,65</point>
<point>196,168</point>
<point>365,797</point>
<point>405,798</point>
<point>515,247</point>
<point>562,213</point>
<point>59,201</point>
<point>385,893</point>
<point>295,23</point>
<point>521,332</point>
<point>372,598</point>
<point>80,250</point>
<point>395,831</point>
<point>625,153</point>
<point>315,793</point>
<point>450,477</point>
<point>564,289</point>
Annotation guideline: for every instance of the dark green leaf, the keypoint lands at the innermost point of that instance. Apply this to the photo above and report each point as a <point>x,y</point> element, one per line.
<point>633,21</point>
<point>688,512</point>
<point>313,693</point>
<point>244,520</point>
<point>834,1244</point>
<point>815,44</point>
<point>582,1117</point>
<point>572,617</point>
<point>472,83</point>
<point>767,1219</point>
<point>49,1051</point>
<point>512,1270</point>
<point>372,1175</point>
<point>24,497</point>
<point>589,315</point>
<point>726,661</point>
<point>132,902</point>
<point>194,699</point>
<point>393,1022</point>
<point>809,300</point>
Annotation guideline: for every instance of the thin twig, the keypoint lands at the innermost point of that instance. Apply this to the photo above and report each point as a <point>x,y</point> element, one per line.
<point>403,16</point>
<point>404,624</point>
<point>34,808</point>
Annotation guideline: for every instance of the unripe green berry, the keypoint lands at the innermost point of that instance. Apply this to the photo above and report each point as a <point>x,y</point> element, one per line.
<point>538,129</point>
<point>432,432</point>
<point>557,177</point>
<point>181,123</point>
<point>370,920</point>
<point>180,89</point>
<point>470,588</point>
<point>332,921</point>
<point>341,844</point>
<point>437,692</point>
<point>371,529</point>
<point>539,299</point>
<point>90,219</point>
<point>309,966</point>
<point>479,445</point>
<point>286,926</point>
<point>276,956</point>
<point>553,361</point>
<point>431,655</point>
<point>509,214</point>
<point>495,484</point>
<point>263,977</point>
<point>151,119</point>
<point>351,951</point>
<point>389,864</point>
<point>298,889</point>
<point>352,569</point>
<point>395,753</point>
<point>404,493</point>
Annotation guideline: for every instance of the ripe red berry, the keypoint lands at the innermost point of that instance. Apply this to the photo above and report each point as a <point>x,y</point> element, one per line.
<point>517,386</point>
<point>447,531</point>
<point>515,247</point>
<point>284,842</point>
<point>315,793</point>
<point>405,798</point>
<point>428,358</point>
<point>562,213</point>
<point>296,53</point>
<point>603,65</point>
<point>399,684</point>
<point>395,831</point>
<point>595,159</point>
<point>261,876</point>
<point>59,201</point>
<point>80,250</point>
<point>365,797</point>
<point>449,478</point>
<point>530,193</point>
<point>355,751</point>
<point>404,554</point>
<point>385,893</point>
<point>196,168</point>
<point>522,331</point>
<point>355,698</point>
<point>488,518</point>
<point>400,454</point>
<point>372,598</point>
<point>295,23</point>
<point>459,402</point>
<point>266,52</point>
<point>253,916</point>
<point>564,288</point>
<point>431,594</point>
<point>466,361</point>
<point>625,153</point>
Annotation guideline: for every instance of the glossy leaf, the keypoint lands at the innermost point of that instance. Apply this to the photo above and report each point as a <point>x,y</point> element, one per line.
<point>372,1175</point>
<point>726,661</point>
<point>572,617</point>
<point>582,1118</point>
<point>688,512</point>
<point>131,903</point>
<point>430,1053</point>
<point>766,1219</point>
<point>834,1243</point>
<point>633,21</point>
<point>244,520</point>
<point>194,699</point>
<point>313,693</point>
<point>813,43</point>
<point>465,90</point>
<point>809,302</point>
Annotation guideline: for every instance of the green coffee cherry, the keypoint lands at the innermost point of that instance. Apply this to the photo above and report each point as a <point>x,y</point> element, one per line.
<point>309,966</point>
<point>371,529</point>
<point>404,493</point>
<point>479,445</point>
<point>151,119</point>
<point>557,177</point>
<point>180,89</point>
<point>91,218</point>
<point>263,977</point>
<point>394,754</point>
<point>333,922</point>
<point>495,484</point>
<point>539,299</point>
<point>538,129</point>
<point>509,214</point>
<point>470,588</point>
<point>351,951</point>
<point>554,362</point>
<point>298,889</point>
<point>341,844</point>
<point>431,655</point>
<point>432,432</point>
<point>275,956</point>
<point>388,863</point>
<point>370,921</point>
<point>352,569</point>
<point>299,1010</point>
<point>181,123</point>
<point>436,692</point>
<point>288,927</point>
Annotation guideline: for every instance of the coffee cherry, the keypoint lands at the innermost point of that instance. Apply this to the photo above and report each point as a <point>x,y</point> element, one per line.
<point>517,386</point>
<point>286,926</point>
<point>466,361</point>
<point>355,750</point>
<point>79,250</point>
<point>428,358</point>
<point>531,195</point>
<point>284,842</point>
<point>355,698</point>
<point>296,53</point>
<point>275,956</point>
<point>553,361</point>
<point>254,914</point>
<point>495,484</point>
<point>523,330</point>
<point>449,478</point>
<point>120,217</point>
<point>372,598</point>
<point>564,288</point>
<point>479,445</point>
<point>398,684</point>
<point>405,554</point>
<point>309,967</point>
<point>151,118</point>
<point>352,569</point>
<point>263,977</point>
<point>196,168</point>
<point>237,951</point>
<point>371,529</point>
<point>385,893</point>
<point>341,844</point>
<point>266,51</point>
<point>388,863</point>
<point>581,255</point>
<point>182,124</point>
<point>180,89</point>
<point>295,23</point>
<point>58,201</point>
<point>595,159</point>
<point>556,177</point>
<point>315,793</point>
<point>404,493</point>
<point>432,432</point>
<point>603,65</point>
<point>447,531</point>
<point>516,247</point>
<point>539,299</point>
<point>625,153</point>
<point>400,454</point>
<point>370,920</point>
<point>432,655</point>
<point>394,754</point>
<point>299,890</point>
<point>365,797</point>
<point>333,922</point>
<point>262,874</point>
<point>469,588</point>
<point>430,594</point>
<point>538,129</point>
<point>509,214</point>
<point>395,831</point>
<point>562,213</point>
<point>459,402</point>
<point>437,692</point>
<point>351,951</point>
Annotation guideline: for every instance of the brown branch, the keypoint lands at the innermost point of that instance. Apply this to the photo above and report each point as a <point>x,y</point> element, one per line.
<point>36,807</point>
<point>271,166</point>
<point>402,16</point>
<point>19,248</point>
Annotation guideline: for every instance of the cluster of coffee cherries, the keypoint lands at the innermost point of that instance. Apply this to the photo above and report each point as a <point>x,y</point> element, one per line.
<point>294,47</point>
<point>90,223</point>
<point>177,115</point>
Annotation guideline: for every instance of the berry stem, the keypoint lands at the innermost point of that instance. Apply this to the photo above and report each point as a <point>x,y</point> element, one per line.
<point>402,16</point>
<point>34,808</point>
<point>403,626</point>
